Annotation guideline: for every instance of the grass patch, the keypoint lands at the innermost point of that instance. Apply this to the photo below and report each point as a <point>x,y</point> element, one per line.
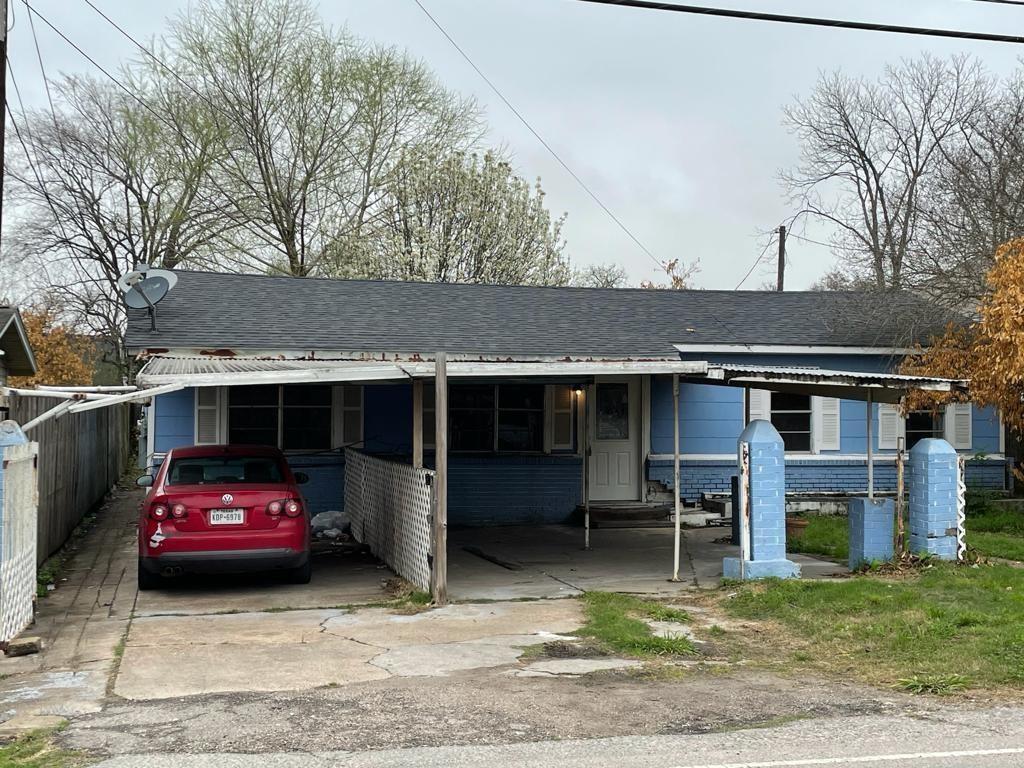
<point>940,621</point>
<point>1002,545</point>
<point>37,750</point>
<point>616,622</point>
<point>826,535</point>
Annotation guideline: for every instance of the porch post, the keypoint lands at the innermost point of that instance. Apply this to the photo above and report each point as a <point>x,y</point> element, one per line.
<point>675,475</point>
<point>417,423</point>
<point>586,465</point>
<point>871,449</point>
<point>439,573</point>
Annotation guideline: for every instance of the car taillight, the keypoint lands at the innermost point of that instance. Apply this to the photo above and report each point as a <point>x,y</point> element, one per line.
<point>158,511</point>
<point>179,511</point>
<point>275,508</point>
<point>292,508</point>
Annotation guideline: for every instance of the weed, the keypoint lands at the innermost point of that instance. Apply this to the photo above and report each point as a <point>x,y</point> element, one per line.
<point>938,685</point>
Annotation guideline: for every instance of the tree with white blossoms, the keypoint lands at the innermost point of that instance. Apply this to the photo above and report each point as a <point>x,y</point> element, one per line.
<point>460,217</point>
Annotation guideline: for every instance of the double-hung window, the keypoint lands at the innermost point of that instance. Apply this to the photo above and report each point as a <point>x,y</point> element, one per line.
<point>503,418</point>
<point>922,424</point>
<point>292,417</point>
<point>791,416</point>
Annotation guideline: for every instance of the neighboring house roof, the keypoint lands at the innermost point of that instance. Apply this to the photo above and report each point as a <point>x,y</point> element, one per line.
<point>209,311</point>
<point>17,352</point>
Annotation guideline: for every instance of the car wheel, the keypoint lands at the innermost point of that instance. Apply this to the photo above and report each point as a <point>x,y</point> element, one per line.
<point>302,574</point>
<point>147,579</point>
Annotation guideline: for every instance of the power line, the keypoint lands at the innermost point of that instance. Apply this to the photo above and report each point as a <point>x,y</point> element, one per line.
<point>754,265</point>
<point>653,5</point>
<point>1002,2</point>
<point>548,147</point>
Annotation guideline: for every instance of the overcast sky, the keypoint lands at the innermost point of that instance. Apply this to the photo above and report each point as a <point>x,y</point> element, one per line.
<point>673,120</point>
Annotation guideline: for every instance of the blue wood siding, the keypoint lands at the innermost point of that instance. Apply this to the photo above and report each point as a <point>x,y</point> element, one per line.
<point>175,420</point>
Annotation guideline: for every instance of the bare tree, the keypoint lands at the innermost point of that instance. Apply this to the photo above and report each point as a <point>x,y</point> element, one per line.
<point>601,276</point>
<point>869,150</point>
<point>975,202</point>
<point>101,185</point>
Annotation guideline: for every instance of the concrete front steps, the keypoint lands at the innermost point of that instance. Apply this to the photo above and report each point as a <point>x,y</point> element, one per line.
<point>647,515</point>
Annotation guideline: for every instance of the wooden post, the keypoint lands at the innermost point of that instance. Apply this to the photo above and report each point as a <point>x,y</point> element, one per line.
<point>675,476</point>
<point>417,423</point>
<point>439,573</point>
<point>871,447</point>
<point>900,462</point>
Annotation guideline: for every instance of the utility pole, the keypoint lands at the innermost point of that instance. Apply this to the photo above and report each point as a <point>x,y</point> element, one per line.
<point>3,100</point>
<point>780,283</point>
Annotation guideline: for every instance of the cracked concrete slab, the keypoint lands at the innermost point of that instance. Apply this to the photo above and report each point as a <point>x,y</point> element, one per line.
<point>171,656</point>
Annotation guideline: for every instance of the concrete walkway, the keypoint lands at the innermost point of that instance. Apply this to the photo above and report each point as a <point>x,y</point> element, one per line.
<point>81,624</point>
<point>549,561</point>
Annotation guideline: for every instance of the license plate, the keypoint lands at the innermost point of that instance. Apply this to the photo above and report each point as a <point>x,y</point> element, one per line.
<point>227,516</point>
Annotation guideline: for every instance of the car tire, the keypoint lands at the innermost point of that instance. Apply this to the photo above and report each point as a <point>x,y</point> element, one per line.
<point>301,575</point>
<point>147,579</point>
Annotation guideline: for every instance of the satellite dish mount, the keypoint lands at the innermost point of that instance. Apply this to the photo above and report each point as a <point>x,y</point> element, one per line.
<point>145,287</point>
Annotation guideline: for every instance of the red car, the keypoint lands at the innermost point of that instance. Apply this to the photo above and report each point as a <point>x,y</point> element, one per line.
<point>223,508</point>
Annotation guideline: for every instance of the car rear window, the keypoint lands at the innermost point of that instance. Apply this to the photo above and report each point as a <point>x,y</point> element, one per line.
<point>219,470</point>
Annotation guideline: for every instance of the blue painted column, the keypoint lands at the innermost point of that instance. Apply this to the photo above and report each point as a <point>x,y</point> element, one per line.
<point>871,523</point>
<point>767,504</point>
<point>933,478</point>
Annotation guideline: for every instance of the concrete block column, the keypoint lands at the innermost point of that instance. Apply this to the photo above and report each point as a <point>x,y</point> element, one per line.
<point>933,479</point>
<point>767,507</point>
<point>871,522</point>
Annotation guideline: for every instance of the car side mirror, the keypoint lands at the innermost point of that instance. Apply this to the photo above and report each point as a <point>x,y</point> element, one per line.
<point>301,478</point>
<point>144,481</point>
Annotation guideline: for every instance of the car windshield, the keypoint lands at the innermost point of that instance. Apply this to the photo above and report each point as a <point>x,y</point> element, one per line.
<point>219,470</point>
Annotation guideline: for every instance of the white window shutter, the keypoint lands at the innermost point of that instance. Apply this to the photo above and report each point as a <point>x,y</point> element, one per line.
<point>825,424</point>
<point>760,401</point>
<point>891,426</point>
<point>208,417</point>
<point>958,428</point>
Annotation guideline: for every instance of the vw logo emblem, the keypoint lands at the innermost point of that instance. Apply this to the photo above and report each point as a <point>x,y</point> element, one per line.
<point>227,498</point>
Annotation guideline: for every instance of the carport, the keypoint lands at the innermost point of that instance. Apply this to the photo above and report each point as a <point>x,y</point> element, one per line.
<point>399,507</point>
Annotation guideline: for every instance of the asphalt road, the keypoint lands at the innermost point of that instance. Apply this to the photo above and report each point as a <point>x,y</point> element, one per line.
<point>981,738</point>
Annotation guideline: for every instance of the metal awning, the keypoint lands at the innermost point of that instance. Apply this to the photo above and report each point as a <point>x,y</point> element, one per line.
<point>849,385</point>
<point>241,371</point>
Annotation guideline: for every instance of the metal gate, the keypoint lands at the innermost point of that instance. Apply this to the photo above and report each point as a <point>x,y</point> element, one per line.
<point>390,506</point>
<point>19,502</point>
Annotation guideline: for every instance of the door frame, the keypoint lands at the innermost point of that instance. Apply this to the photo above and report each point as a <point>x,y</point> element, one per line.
<point>637,419</point>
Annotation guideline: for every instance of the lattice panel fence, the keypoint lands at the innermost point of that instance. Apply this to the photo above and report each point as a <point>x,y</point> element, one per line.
<point>19,502</point>
<point>390,505</point>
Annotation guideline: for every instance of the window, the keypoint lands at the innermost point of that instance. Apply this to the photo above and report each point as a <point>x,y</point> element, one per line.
<point>198,470</point>
<point>922,424</point>
<point>485,418</point>
<point>294,417</point>
<point>563,403</point>
<point>791,416</point>
<point>612,403</point>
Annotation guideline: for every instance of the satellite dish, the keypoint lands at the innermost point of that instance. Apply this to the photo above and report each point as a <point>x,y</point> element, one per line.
<point>145,287</point>
<point>146,293</point>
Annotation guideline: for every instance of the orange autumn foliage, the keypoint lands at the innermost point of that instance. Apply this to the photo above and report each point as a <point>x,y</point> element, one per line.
<point>990,351</point>
<point>62,356</point>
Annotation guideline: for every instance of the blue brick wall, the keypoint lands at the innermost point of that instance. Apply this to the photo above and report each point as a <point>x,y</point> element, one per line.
<point>810,475</point>
<point>871,524</point>
<point>932,494</point>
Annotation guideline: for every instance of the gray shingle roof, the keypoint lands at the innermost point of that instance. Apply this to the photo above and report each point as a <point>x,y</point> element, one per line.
<point>215,311</point>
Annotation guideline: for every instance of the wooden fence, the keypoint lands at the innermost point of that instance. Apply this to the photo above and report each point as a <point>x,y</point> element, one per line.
<point>81,457</point>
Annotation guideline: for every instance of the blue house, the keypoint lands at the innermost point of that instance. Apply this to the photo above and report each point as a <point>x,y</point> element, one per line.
<point>536,375</point>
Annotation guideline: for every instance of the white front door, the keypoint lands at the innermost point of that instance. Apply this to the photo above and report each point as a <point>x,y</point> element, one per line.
<point>614,415</point>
